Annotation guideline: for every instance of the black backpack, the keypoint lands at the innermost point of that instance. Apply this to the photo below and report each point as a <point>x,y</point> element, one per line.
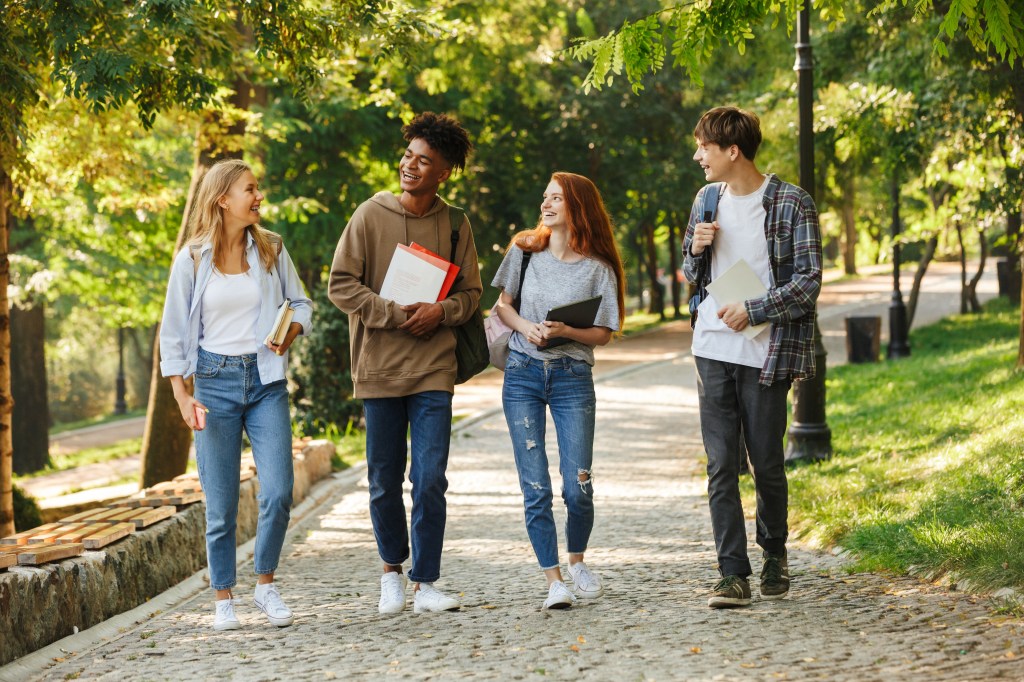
<point>471,354</point>
<point>712,195</point>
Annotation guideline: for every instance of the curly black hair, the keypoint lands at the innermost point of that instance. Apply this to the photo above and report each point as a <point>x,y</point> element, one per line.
<point>444,134</point>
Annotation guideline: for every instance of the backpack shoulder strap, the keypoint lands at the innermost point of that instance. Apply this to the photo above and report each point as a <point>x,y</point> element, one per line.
<point>456,215</point>
<point>523,264</point>
<point>712,195</point>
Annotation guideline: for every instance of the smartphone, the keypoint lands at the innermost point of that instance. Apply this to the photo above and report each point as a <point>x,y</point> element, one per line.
<point>200,418</point>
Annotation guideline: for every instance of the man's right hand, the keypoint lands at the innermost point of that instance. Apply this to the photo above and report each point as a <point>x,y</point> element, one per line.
<point>703,235</point>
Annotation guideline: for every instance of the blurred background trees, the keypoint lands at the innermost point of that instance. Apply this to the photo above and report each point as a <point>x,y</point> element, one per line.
<point>314,96</point>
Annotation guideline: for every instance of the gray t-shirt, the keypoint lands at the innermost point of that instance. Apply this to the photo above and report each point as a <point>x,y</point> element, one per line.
<point>550,283</point>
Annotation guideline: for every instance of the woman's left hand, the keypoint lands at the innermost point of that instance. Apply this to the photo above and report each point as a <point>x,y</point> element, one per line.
<point>293,330</point>
<point>552,330</point>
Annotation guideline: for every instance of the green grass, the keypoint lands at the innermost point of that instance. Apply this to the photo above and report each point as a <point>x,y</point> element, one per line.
<point>124,448</point>
<point>641,322</point>
<point>94,421</point>
<point>928,472</point>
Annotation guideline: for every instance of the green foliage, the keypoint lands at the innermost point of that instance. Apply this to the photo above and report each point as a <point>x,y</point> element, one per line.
<point>930,482</point>
<point>26,511</point>
<point>323,374</point>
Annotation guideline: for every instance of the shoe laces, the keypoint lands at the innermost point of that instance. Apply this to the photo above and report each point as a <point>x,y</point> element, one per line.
<point>225,609</point>
<point>272,599</point>
<point>772,568</point>
<point>392,588</point>
<point>727,582</point>
<point>582,576</point>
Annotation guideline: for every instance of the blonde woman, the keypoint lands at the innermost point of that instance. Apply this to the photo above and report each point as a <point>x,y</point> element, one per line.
<point>225,288</point>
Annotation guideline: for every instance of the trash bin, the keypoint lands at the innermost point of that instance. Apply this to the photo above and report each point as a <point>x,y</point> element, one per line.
<point>863,338</point>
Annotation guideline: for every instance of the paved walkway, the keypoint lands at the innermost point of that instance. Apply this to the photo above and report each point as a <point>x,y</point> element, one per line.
<point>652,544</point>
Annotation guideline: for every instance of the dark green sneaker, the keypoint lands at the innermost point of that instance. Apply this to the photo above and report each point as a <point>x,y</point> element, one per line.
<point>775,576</point>
<point>731,591</point>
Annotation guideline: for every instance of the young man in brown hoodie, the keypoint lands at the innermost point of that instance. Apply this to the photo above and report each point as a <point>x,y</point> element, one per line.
<point>403,356</point>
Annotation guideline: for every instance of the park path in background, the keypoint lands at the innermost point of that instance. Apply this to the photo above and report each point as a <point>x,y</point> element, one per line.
<point>652,544</point>
<point>869,294</point>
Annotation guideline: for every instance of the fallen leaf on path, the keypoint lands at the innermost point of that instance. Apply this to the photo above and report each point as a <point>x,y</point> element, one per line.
<point>695,649</point>
<point>575,648</point>
<point>581,640</point>
<point>488,606</point>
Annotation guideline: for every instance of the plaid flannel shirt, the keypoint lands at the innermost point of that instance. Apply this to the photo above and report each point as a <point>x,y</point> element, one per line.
<point>794,252</point>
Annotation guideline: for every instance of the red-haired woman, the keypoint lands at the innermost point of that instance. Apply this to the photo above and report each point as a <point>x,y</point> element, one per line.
<point>573,257</point>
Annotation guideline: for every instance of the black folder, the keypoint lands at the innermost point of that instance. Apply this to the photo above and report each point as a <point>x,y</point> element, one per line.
<point>580,314</point>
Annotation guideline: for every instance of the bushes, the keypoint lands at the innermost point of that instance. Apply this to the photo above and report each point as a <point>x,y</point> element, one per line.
<point>26,511</point>
<point>323,375</point>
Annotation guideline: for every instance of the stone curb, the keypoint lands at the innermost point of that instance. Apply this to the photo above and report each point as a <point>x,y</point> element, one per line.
<point>35,663</point>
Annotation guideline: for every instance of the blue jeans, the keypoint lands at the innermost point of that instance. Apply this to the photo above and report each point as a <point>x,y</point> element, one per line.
<point>388,420</point>
<point>740,419</point>
<point>230,388</point>
<point>566,387</point>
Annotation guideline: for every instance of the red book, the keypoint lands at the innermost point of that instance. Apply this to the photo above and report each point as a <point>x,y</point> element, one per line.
<point>453,270</point>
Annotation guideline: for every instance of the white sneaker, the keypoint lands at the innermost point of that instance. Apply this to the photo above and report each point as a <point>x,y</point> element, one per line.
<point>268,599</point>
<point>585,582</point>
<point>392,593</point>
<point>224,616</point>
<point>559,596</point>
<point>427,599</point>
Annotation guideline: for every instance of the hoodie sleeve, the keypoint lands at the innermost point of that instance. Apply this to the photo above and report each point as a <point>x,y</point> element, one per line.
<point>347,288</point>
<point>464,298</point>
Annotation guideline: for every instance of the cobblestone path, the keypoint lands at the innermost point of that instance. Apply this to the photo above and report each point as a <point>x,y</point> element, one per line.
<point>653,547</point>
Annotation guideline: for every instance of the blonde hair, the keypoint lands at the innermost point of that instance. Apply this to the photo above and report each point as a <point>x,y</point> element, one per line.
<point>206,220</point>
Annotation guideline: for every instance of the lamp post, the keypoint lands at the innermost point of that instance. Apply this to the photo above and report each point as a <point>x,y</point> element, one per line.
<point>120,406</point>
<point>899,346</point>
<point>809,437</point>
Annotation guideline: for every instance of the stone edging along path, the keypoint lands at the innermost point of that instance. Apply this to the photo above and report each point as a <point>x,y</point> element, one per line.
<point>44,603</point>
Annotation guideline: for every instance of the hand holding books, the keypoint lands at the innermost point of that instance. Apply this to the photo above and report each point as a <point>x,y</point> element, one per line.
<point>279,332</point>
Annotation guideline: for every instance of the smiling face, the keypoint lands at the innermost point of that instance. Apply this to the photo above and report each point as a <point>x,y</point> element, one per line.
<point>422,169</point>
<point>715,160</point>
<point>552,208</point>
<point>241,203</point>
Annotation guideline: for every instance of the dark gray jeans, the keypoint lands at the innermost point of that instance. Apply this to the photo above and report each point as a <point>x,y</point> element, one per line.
<point>734,408</point>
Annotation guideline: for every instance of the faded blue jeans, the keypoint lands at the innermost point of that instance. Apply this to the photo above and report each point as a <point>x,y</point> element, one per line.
<point>230,388</point>
<point>388,420</point>
<point>566,387</point>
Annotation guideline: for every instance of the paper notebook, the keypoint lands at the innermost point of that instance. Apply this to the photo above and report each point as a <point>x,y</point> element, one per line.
<point>737,284</point>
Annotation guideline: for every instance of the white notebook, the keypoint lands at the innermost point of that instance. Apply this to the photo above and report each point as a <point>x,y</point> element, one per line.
<point>737,284</point>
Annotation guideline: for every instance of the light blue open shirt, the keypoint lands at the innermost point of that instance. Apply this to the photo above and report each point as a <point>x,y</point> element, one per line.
<point>181,325</point>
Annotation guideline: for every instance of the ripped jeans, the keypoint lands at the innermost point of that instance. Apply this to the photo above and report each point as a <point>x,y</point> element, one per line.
<point>566,387</point>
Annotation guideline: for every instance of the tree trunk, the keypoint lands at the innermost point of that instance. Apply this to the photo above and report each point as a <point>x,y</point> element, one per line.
<point>963,268</point>
<point>849,226</point>
<point>167,438</point>
<point>31,417</point>
<point>6,399</point>
<point>1020,344</point>
<point>922,267</point>
<point>673,264</point>
<point>651,255</point>
<point>971,293</point>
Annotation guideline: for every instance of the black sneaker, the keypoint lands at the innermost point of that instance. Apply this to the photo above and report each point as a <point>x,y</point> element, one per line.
<point>775,576</point>
<point>731,591</point>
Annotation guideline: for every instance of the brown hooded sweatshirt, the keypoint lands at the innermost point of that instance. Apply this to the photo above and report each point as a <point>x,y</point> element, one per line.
<point>386,361</point>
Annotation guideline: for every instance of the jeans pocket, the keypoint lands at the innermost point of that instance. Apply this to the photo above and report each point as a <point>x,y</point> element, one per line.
<point>516,360</point>
<point>580,369</point>
<point>207,367</point>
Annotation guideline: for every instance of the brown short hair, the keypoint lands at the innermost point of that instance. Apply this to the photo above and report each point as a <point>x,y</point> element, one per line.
<point>728,126</point>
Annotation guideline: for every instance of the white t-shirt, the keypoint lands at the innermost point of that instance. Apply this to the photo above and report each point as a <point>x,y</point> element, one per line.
<point>740,235</point>
<point>230,310</point>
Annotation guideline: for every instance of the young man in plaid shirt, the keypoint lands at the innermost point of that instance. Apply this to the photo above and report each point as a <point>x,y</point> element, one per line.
<point>743,382</point>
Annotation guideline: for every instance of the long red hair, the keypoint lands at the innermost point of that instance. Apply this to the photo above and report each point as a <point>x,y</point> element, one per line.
<point>590,230</point>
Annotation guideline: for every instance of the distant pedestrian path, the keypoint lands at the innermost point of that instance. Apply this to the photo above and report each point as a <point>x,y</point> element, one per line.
<point>652,545</point>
